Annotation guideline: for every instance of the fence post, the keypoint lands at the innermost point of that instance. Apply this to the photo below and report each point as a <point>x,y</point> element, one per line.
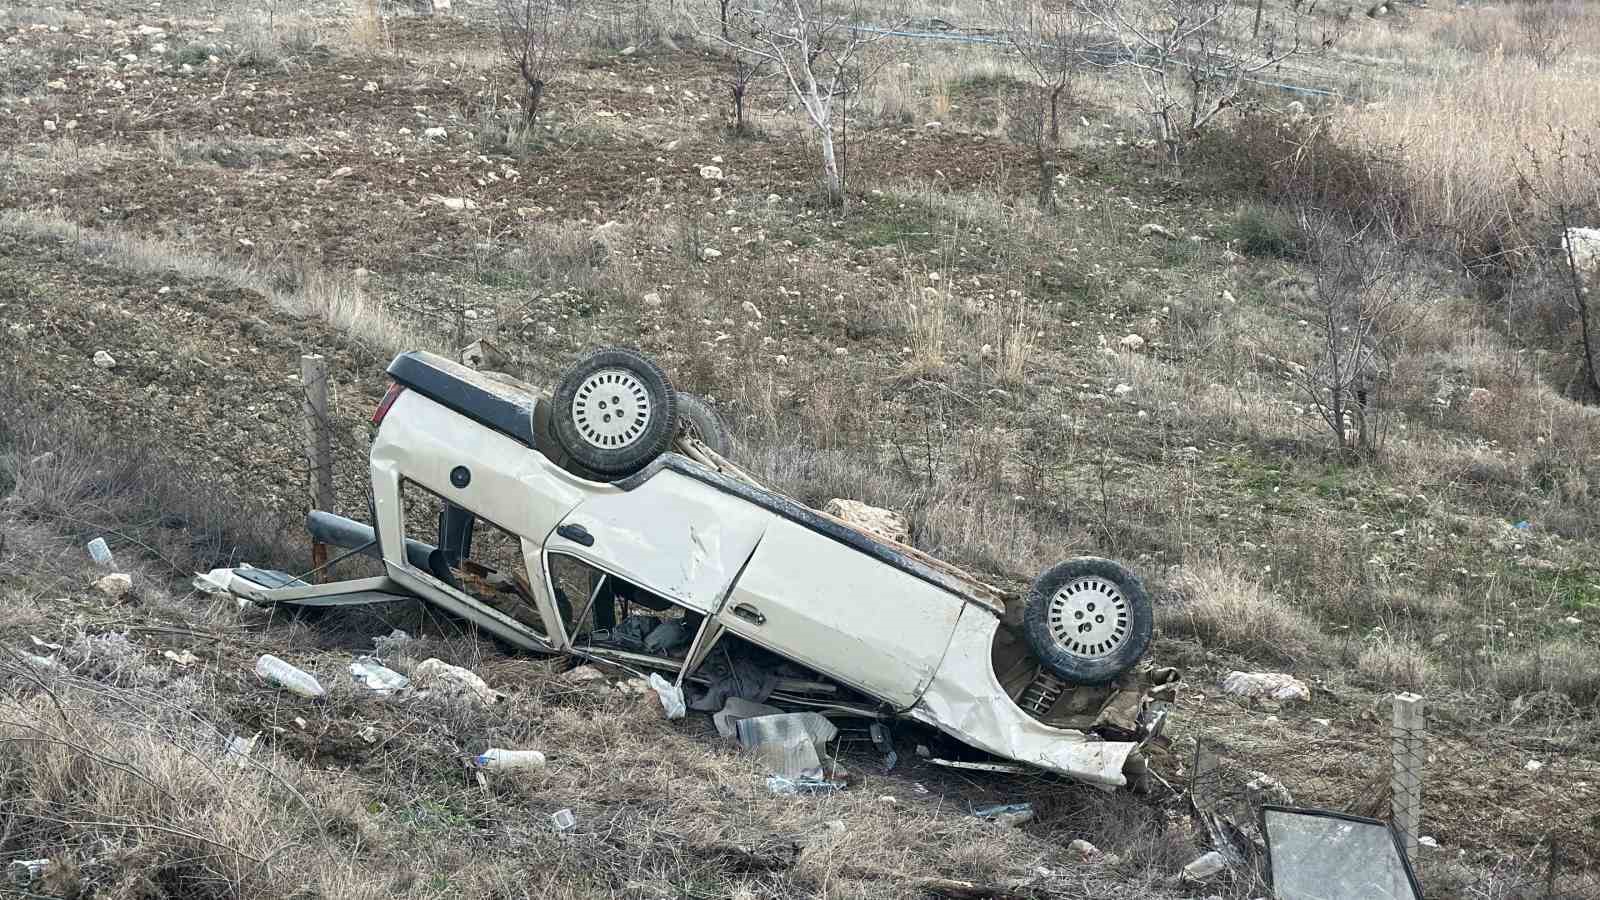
<point>319,442</point>
<point>1405,785</point>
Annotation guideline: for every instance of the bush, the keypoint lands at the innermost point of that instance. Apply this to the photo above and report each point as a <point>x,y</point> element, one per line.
<point>1267,231</point>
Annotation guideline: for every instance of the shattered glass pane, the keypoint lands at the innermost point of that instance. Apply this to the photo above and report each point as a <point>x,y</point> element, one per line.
<point>1322,857</point>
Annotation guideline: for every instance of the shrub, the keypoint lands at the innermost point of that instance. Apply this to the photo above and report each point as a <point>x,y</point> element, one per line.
<point>1267,231</point>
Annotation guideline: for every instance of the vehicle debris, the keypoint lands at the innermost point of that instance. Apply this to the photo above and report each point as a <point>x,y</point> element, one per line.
<point>792,746</point>
<point>1319,855</point>
<point>884,742</point>
<point>435,676</point>
<point>727,719</point>
<point>1006,815</point>
<point>496,759</point>
<point>1265,686</point>
<point>1203,867</point>
<point>296,681</point>
<point>377,677</point>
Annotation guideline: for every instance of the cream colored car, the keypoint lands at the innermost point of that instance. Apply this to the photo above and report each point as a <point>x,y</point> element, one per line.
<point>564,522</point>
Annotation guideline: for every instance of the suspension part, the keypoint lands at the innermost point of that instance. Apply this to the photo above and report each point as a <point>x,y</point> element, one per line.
<point>1041,694</point>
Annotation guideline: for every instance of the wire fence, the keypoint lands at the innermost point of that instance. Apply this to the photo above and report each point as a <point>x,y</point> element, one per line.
<point>1480,832</point>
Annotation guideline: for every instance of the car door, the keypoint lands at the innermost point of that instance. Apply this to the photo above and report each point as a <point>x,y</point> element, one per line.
<point>842,612</point>
<point>672,535</point>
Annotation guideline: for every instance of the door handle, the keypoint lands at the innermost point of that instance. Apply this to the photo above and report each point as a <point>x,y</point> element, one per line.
<point>750,614</point>
<point>576,534</point>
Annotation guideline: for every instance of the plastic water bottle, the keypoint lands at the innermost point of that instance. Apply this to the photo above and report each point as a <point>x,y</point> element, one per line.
<point>498,759</point>
<point>288,677</point>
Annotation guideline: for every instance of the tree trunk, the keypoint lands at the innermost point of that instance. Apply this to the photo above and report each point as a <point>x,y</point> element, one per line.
<point>832,181</point>
<point>738,108</point>
<point>535,94</point>
<point>1047,183</point>
<point>1055,117</point>
<point>725,19</point>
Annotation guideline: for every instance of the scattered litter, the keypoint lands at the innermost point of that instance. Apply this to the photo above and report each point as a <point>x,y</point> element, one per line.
<point>671,696</point>
<point>301,723</point>
<point>288,677</point>
<point>1006,815</point>
<point>184,659</point>
<point>368,734</point>
<point>239,749</point>
<point>496,759</point>
<point>437,676</point>
<point>563,820</point>
<point>1534,765</point>
<point>48,663</point>
<point>1428,840</point>
<point>377,677</point>
<point>1522,526</point>
<point>777,784</point>
<point>888,799</point>
<point>38,642</point>
<point>25,870</point>
<point>917,786</point>
<point>737,708</point>
<point>100,552</point>
<point>115,586</point>
<point>1265,686</point>
<point>1084,849</point>
<point>1204,867</point>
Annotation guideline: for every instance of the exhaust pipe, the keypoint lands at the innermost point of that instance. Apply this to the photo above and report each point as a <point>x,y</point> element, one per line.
<point>327,528</point>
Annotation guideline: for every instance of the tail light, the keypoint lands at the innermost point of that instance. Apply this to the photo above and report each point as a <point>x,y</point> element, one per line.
<point>393,394</point>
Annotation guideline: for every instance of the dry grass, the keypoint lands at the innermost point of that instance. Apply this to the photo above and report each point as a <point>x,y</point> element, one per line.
<point>336,298</point>
<point>1394,663</point>
<point>1218,603</point>
<point>1467,123</point>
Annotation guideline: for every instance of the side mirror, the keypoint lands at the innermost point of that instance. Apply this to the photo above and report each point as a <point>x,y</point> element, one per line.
<point>1318,855</point>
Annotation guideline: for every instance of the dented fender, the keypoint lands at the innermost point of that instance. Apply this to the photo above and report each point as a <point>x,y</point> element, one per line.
<point>966,701</point>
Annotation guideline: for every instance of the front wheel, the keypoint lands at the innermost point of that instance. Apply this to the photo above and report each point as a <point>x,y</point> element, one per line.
<point>1088,620</point>
<point>614,411</point>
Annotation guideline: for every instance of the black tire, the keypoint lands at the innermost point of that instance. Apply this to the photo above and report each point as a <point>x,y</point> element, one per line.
<point>696,417</point>
<point>1088,620</point>
<point>600,386</point>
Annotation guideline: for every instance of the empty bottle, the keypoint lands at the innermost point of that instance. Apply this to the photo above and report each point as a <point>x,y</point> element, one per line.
<point>498,759</point>
<point>288,677</point>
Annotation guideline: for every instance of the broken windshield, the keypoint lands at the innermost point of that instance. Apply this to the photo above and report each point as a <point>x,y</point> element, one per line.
<point>1317,855</point>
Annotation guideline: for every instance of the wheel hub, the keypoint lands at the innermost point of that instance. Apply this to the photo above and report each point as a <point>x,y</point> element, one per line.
<point>611,409</point>
<point>1089,618</point>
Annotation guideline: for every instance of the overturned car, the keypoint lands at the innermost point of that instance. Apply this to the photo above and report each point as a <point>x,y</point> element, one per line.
<point>591,521</point>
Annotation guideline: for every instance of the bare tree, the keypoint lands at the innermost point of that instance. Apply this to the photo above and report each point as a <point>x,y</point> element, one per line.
<point>817,49</point>
<point>535,36</point>
<point>1190,58</point>
<point>1028,123</point>
<point>743,71</point>
<point>1361,306</point>
<point>1050,36</point>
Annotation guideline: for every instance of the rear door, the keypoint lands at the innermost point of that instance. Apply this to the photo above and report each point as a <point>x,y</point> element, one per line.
<point>833,608</point>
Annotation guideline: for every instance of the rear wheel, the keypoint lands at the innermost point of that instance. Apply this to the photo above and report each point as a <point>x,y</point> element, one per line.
<point>1088,620</point>
<point>697,419</point>
<point>614,412</point>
